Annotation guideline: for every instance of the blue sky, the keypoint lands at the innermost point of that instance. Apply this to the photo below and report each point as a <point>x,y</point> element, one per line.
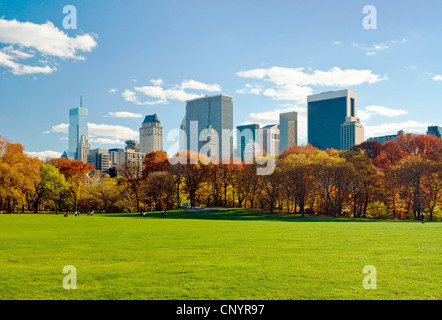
<point>132,58</point>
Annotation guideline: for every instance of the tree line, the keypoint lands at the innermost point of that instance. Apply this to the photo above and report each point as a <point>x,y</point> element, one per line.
<point>400,180</point>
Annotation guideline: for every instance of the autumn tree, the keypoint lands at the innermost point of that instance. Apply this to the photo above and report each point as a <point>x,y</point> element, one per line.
<point>296,176</point>
<point>75,173</point>
<point>331,173</point>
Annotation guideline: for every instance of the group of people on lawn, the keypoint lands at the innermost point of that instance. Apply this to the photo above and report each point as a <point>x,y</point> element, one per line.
<point>146,214</point>
<point>89,213</point>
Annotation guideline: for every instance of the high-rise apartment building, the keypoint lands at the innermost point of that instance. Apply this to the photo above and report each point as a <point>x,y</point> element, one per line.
<point>151,135</point>
<point>247,138</point>
<point>130,158</point>
<point>288,130</point>
<point>83,149</point>
<point>352,133</point>
<point>327,112</point>
<point>216,110</point>
<point>270,139</point>
<point>100,159</point>
<point>77,128</point>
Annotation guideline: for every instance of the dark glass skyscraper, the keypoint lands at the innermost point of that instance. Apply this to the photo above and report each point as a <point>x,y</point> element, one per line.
<point>435,131</point>
<point>216,110</point>
<point>288,130</point>
<point>247,136</point>
<point>327,111</point>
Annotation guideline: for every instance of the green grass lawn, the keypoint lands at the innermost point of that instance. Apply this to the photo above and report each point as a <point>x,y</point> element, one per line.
<point>234,254</point>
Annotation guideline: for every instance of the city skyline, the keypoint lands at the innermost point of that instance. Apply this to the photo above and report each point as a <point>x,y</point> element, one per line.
<point>395,68</point>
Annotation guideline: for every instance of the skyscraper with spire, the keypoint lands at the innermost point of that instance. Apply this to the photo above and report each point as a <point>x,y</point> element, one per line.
<point>77,128</point>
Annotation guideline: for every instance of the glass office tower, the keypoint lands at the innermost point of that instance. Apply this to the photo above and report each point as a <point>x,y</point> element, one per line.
<point>247,136</point>
<point>435,131</point>
<point>327,111</point>
<point>288,130</point>
<point>77,128</point>
<point>214,110</point>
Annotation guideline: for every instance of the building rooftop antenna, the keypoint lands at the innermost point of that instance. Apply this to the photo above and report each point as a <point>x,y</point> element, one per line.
<point>81,101</point>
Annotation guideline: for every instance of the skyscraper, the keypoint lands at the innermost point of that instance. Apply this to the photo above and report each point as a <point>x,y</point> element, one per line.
<point>247,137</point>
<point>352,133</point>
<point>288,130</point>
<point>216,110</point>
<point>327,112</point>
<point>151,135</point>
<point>270,139</point>
<point>100,159</point>
<point>435,131</point>
<point>77,128</point>
<point>83,149</point>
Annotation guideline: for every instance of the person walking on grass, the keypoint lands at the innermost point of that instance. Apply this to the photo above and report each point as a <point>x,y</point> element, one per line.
<point>162,214</point>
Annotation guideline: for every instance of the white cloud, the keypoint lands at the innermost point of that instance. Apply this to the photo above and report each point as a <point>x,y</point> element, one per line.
<point>102,130</point>
<point>289,92</point>
<point>116,132</point>
<point>46,132</point>
<point>337,43</point>
<point>251,88</point>
<point>196,85</point>
<point>124,114</point>
<point>371,111</point>
<point>371,50</point>
<point>162,95</point>
<point>297,76</point>
<point>166,94</point>
<point>295,84</point>
<point>45,38</point>
<point>113,90</point>
<point>107,141</point>
<point>21,69</point>
<point>157,82</point>
<point>392,128</point>
<point>62,127</point>
<point>437,78</point>
<point>43,155</point>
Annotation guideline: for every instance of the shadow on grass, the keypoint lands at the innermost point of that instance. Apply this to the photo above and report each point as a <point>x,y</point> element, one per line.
<point>240,215</point>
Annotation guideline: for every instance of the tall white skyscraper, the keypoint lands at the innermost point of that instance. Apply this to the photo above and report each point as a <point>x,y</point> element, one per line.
<point>151,135</point>
<point>352,133</point>
<point>83,149</point>
<point>270,139</point>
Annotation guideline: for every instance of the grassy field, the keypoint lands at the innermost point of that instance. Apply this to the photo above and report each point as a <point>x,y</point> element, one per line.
<point>224,255</point>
